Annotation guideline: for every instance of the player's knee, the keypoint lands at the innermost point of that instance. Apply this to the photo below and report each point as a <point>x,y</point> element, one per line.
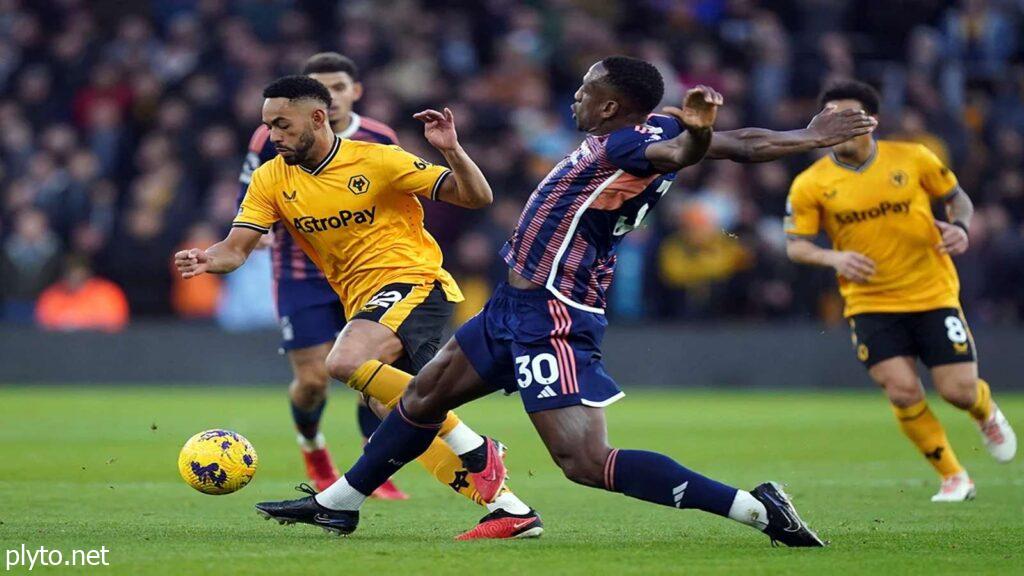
<point>342,363</point>
<point>903,393</point>
<point>310,385</point>
<point>313,382</point>
<point>582,467</point>
<point>961,392</point>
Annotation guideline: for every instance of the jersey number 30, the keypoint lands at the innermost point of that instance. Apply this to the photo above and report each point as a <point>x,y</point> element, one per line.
<point>542,369</point>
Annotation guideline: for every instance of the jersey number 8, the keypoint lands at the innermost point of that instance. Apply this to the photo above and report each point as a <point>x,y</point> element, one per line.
<point>955,330</point>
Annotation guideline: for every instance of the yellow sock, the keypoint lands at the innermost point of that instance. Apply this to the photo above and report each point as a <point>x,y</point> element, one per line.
<point>925,431</point>
<point>443,464</point>
<point>982,408</point>
<point>386,384</point>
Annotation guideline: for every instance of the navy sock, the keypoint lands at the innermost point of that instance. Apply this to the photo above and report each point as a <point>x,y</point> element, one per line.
<point>308,421</point>
<point>398,441</point>
<point>368,421</point>
<point>657,478</point>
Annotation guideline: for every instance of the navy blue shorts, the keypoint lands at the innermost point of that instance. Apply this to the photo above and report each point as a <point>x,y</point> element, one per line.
<point>309,313</point>
<point>531,342</point>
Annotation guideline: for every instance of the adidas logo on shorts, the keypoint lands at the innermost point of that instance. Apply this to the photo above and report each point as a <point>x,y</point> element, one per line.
<point>547,392</point>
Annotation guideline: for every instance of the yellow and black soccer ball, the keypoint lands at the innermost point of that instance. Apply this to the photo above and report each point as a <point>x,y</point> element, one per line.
<point>217,462</point>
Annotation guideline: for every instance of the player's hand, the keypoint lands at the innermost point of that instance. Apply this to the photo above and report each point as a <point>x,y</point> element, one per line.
<point>191,263</point>
<point>831,127</point>
<point>439,128</point>
<point>853,266</point>
<point>954,239</point>
<point>700,108</point>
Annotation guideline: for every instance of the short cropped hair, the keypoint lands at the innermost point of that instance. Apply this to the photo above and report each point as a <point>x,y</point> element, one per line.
<point>328,62</point>
<point>638,81</point>
<point>297,88</point>
<point>851,90</point>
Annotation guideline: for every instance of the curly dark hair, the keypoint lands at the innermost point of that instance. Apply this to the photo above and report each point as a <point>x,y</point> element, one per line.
<point>851,90</point>
<point>296,88</point>
<point>638,81</point>
<point>327,62</point>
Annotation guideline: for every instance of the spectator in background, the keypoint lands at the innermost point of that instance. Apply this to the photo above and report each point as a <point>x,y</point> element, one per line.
<point>82,301</point>
<point>29,261</point>
<point>699,265</point>
<point>131,261</point>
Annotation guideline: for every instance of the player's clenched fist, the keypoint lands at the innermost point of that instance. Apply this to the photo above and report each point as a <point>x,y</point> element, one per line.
<point>700,107</point>
<point>191,262</point>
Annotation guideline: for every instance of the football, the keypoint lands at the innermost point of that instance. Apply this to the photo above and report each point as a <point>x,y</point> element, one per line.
<point>217,462</point>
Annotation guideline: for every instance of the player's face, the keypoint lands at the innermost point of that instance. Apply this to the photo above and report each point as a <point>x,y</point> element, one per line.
<point>344,92</point>
<point>293,125</point>
<point>593,100</point>
<point>851,146</point>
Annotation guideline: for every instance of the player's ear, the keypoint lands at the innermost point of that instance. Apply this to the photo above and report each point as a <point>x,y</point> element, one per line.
<point>319,118</point>
<point>610,109</point>
<point>357,91</point>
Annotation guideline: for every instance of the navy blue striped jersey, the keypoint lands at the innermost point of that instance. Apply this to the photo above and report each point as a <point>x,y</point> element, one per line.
<point>566,236</point>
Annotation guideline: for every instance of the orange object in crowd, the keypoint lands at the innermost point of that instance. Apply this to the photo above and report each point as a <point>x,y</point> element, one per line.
<point>95,304</point>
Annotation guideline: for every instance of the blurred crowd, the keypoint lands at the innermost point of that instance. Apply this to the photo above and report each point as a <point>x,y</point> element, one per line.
<point>125,124</point>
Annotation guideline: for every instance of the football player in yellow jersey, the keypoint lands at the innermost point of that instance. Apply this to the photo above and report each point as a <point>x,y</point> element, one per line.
<point>873,199</point>
<point>352,206</point>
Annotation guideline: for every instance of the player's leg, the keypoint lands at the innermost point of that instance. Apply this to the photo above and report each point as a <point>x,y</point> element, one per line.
<point>310,319</point>
<point>448,379</point>
<point>415,420</point>
<point>508,516</point>
<point>886,345</point>
<point>564,388</point>
<point>947,348</point>
<point>405,320</point>
<point>898,377</point>
<point>576,438</point>
<point>399,439</point>
<point>368,420</point>
<point>308,395</point>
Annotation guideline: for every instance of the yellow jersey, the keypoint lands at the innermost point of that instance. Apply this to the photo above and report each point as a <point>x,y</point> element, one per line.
<point>882,209</point>
<point>357,216</point>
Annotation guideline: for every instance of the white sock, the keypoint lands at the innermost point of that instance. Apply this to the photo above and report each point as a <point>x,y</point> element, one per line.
<point>748,510</point>
<point>309,444</point>
<point>508,502</point>
<point>462,439</point>
<point>341,496</point>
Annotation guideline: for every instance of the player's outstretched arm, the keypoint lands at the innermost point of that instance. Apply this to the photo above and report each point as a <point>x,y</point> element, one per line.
<point>468,187</point>
<point>221,258</point>
<point>826,129</point>
<point>700,108</point>
<point>853,266</point>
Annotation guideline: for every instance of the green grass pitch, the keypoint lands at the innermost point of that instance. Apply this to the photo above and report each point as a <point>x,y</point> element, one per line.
<point>89,467</point>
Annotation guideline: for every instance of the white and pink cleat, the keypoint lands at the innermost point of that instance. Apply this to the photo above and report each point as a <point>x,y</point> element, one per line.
<point>956,488</point>
<point>998,436</point>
